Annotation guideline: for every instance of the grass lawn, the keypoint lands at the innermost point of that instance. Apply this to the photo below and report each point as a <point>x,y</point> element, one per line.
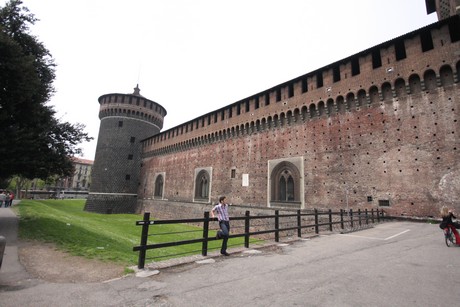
<point>107,237</point>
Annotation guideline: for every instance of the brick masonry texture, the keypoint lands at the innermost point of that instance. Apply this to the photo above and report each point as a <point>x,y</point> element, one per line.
<point>125,120</point>
<point>388,135</point>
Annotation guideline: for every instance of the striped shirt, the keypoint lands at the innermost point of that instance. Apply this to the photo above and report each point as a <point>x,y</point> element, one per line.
<point>222,212</point>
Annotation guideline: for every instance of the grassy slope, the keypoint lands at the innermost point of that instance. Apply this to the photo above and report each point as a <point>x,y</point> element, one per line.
<point>105,237</point>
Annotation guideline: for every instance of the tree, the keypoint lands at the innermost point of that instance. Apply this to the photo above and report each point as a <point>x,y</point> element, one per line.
<point>33,143</point>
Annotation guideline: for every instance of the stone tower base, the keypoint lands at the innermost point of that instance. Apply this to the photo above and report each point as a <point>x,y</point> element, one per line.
<point>110,203</point>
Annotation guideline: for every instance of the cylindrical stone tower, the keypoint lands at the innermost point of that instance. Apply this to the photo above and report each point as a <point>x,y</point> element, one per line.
<point>126,119</point>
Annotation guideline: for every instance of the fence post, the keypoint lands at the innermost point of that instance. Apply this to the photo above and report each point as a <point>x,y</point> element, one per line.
<point>341,219</point>
<point>316,222</point>
<point>330,219</point>
<point>367,217</point>
<point>144,236</point>
<point>372,215</point>
<point>351,218</point>
<point>277,226</point>
<point>204,246</point>
<point>359,216</point>
<point>246,229</point>
<point>299,224</point>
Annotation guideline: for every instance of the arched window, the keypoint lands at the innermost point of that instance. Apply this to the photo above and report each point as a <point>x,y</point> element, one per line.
<point>158,186</point>
<point>400,87</point>
<point>387,93</point>
<point>286,187</point>
<point>447,76</point>
<point>430,80</point>
<point>414,84</point>
<point>202,185</point>
<point>285,183</point>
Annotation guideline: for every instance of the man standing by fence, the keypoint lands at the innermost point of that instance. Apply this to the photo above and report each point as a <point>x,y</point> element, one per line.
<point>224,223</point>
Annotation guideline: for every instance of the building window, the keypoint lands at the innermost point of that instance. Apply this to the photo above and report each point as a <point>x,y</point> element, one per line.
<point>158,186</point>
<point>202,185</point>
<point>304,85</point>
<point>120,123</point>
<point>133,139</point>
<point>384,202</point>
<point>400,50</point>
<point>128,177</point>
<point>319,79</point>
<point>336,74</point>
<point>290,90</point>
<point>355,70</point>
<point>376,59</point>
<point>426,40</point>
<point>369,199</point>
<point>233,175</point>
<point>130,157</point>
<point>285,183</point>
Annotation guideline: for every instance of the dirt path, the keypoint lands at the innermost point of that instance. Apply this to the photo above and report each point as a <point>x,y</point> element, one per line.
<point>46,262</point>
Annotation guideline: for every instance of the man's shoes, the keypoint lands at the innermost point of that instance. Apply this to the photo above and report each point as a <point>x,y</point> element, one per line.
<point>225,254</point>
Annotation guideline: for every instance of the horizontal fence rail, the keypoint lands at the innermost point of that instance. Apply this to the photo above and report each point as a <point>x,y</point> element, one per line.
<point>289,223</point>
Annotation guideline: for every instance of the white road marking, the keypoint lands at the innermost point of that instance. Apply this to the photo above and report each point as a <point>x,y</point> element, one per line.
<point>349,235</point>
<point>397,234</point>
<point>374,238</point>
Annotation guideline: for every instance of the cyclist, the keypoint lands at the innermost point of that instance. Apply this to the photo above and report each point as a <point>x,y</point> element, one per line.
<point>447,217</point>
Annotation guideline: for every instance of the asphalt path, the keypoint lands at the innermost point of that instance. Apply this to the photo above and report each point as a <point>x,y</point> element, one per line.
<point>391,264</point>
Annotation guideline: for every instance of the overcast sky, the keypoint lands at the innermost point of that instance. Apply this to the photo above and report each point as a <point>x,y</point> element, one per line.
<point>196,56</point>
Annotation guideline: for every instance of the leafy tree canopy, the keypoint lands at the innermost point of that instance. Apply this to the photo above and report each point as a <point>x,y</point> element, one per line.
<point>33,142</point>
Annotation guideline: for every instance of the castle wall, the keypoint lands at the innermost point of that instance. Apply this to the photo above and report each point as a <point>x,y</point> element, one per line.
<point>362,134</point>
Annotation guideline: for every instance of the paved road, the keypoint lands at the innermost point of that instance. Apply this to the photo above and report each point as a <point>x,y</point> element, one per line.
<point>392,264</point>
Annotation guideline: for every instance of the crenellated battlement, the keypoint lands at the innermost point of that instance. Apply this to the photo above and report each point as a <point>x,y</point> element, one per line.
<point>132,106</point>
<point>421,61</point>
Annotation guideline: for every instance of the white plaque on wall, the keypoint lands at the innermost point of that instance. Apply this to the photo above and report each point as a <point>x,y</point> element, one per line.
<point>245,180</point>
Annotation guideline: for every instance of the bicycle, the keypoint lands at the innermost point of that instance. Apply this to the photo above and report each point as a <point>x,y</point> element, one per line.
<point>449,236</point>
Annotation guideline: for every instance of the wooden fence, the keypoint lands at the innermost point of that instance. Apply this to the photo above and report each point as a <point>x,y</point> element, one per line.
<point>344,220</point>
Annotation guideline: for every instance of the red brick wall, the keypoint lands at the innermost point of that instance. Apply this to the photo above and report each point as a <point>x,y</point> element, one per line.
<point>404,148</point>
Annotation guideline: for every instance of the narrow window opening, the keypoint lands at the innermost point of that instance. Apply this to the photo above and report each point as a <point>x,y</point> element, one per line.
<point>290,90</point>
<point>278,94</point>
<point>400,50</point>
<point>238,109</point>
<point>267,99</point>
<point>128,177</point>
<point>133,139</point>
<point>376,59</point>
<point>233,174</point>
<point>355,70</point>
<point>336,74</point>
<point>384,203</point>
<point>130,157</point>
<point>426,40</point>
<point>304,85</point>
<point>454,25</point>
<point>256,103</point>
<point>319,80</point>
<point>120,123</point>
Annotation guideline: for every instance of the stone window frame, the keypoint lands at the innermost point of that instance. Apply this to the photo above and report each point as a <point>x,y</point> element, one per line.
<point>291,170</point>
<point>202,185</point>
<point>159,185</point>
